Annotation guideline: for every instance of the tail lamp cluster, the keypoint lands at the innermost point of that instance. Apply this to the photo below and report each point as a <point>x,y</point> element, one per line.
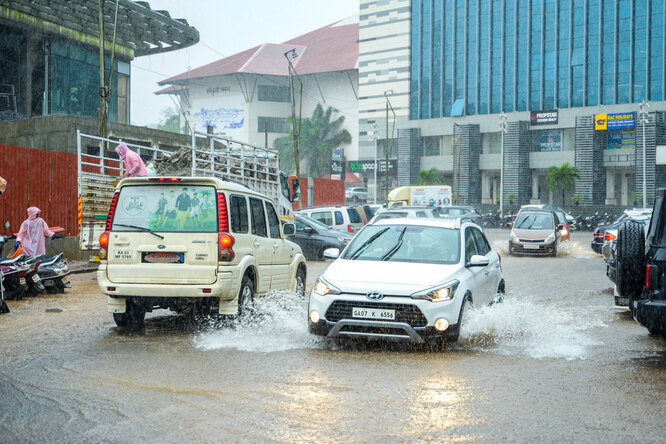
<point>104,238</point>
<point>651,277</point>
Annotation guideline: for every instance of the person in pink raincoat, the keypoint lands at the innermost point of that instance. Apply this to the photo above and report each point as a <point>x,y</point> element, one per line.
<point>132,162</point>
<point>31,235</point>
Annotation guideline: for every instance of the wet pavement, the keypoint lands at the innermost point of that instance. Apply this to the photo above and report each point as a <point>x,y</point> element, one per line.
<point>554,362</point>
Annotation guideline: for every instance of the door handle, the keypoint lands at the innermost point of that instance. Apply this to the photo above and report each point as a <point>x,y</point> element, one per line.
<point>275,246</point>
<point>256,244</point>
<point>487,273</point>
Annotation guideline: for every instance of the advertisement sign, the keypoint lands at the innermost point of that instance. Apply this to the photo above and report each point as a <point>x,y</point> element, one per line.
<point>368,166</point>
<point>337,164</point>
<point>550,141</point>
<point>618,139</point>
<point>430,195</point>
<point>226,114</point>
<point>614,121</point>
<point>543,117</point>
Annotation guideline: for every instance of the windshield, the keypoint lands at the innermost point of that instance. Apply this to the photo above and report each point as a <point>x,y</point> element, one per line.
<point>431,245</point>
<point>534,221</point>
<point>166,208</point>
<point>315,223</point>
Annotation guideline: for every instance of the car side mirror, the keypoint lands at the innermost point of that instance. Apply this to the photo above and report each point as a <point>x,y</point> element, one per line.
<point>509,225</point>
<point>309,230</point>
<point>478,261</point>
<point>331,253</point>
<point>288,229</point>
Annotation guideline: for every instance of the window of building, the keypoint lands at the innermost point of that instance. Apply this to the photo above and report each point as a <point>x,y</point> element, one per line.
<point>274,93</point>
<point>431,146</point>
<point>273,125</point>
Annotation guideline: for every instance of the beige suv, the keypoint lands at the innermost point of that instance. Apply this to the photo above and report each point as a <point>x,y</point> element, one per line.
<point>193,243</point>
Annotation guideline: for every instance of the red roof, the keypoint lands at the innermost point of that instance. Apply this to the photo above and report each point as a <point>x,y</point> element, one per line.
<point>171,90</point>
<point>331,48</point>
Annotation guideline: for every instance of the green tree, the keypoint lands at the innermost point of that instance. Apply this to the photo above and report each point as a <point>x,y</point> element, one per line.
<point>430,177</point>
<point>169,120</point>
<point>562,178</point>
<point>319,135</point>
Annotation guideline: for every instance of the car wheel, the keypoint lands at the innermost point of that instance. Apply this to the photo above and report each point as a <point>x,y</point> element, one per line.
<point>499,298</point>
<point>461,318</point>
<point>246,295</point>
<point>555,249</point>
<point>300,281</point>
<point>133,317</point>
<point>630,268</point>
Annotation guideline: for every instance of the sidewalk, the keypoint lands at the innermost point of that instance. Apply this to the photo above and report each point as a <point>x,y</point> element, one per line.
<point>82,266</point>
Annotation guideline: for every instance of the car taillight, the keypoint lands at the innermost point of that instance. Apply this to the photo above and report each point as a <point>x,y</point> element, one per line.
<point>610,237</point>
<point>225,242</point>
<point>598,234</point>
<point>165,179</point>
<point>651,277</point>
<point>112,210</point>
<point>222,214</point>
<point>350,229</point>
<point>103,246</point>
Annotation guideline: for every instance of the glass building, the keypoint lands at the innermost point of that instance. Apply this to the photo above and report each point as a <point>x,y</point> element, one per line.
<point>474,57</point>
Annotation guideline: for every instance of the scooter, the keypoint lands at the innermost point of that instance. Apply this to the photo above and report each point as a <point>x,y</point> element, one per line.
<point>14,272</point>
<point>4,308</point>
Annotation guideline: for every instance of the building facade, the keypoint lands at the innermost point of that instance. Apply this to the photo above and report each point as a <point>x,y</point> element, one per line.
<point>553,68</point>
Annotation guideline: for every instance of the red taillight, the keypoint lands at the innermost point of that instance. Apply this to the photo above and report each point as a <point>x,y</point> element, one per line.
<point>610,237</point>
<point>225,242</point>
<point>222,214</point>
<point>647,277</point>
<point>112,210</point>
<point>166,179</point>
<point>350,229</point>
<point>598,234</point>
<point>103,246</point>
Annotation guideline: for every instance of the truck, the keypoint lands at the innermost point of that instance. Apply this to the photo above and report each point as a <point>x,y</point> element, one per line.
<point>431,195</point>
<point>209,155</point>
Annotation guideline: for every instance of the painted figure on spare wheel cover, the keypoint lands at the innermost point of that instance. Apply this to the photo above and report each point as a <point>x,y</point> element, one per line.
<point>32,232</point>
<point>132,162</point>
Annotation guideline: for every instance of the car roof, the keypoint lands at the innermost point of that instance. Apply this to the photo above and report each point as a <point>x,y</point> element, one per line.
<point>454,223</point>
<point>223,185</point>
<point>411,207</point>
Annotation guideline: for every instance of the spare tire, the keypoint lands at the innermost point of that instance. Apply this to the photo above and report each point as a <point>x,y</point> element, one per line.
<point>630,272</point>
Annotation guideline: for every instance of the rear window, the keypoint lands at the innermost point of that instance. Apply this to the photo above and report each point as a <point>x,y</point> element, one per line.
<point>170,208</point>
<point>368,212</point>
<point>324,217</point>
<point>354,217</point>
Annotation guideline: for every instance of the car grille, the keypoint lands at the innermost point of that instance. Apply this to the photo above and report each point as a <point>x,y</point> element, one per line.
<point>532,240</point>
<point>409,314</point>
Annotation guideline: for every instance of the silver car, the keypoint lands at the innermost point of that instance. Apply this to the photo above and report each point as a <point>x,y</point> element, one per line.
<point>406,279</point>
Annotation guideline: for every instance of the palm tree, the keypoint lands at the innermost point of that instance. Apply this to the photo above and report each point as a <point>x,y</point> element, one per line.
<point>319,135</point>
<point>562,178</point>
<point>430,177</point>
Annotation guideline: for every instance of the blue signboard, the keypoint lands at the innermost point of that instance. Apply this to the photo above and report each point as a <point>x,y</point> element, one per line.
<point>621,121</point>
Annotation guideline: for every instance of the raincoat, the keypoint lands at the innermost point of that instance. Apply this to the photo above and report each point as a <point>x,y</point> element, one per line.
<point>32,233</point>
<point>132,162</point>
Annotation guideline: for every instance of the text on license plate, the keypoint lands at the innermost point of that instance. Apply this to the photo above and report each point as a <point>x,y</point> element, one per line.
<point>372,313</point>
<point>123,255</point>
<point>531,247</point>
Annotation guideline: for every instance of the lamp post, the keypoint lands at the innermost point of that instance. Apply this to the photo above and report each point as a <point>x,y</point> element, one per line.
<point>374,139</point>
<point>296,130</point>
<point>502,130</point>
<point>388,104</point>
<point>643,113</point>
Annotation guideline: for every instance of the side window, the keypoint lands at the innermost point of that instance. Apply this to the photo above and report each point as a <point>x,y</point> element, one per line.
<point>338,218</point>
<point>324,217</point>
<point>238,210</point>
<point>421,214</point>
<point>258,217</point>
<point>300,226</point>
<point>470,245</point>
<point>481,242</point>
<point>273,221</point>
<point>354,217</point>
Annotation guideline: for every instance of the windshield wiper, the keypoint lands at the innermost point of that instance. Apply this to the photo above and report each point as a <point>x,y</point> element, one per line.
<point>367,243</point>
<point>147,230</point>
<point>395,248</point>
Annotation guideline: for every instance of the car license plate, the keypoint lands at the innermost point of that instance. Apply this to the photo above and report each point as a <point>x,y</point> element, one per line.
<point>531,247</point>
<point>22,280</point>
<point>65,280</point>
<point>35,278</point>
<point>373,313</point>
<point>122,255</point>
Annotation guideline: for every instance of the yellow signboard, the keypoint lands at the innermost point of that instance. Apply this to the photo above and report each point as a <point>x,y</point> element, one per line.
<point>600,122</point>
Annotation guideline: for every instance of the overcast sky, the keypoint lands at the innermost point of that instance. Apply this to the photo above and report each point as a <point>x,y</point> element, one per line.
<point>225,28</point>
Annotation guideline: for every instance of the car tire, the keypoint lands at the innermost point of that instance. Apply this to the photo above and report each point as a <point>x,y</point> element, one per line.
<point>501,291</point>
<point>555,249</point>
<point>246,295</point>
<point>467,302</point>
<point>300,281</point>
<point>133,317</point>
<point>630,264</point>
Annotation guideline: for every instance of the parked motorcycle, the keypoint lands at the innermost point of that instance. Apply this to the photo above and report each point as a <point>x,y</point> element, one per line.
<point>52,270</point>
<point>4,308</point>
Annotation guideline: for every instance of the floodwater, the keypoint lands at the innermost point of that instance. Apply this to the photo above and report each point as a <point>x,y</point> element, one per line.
<point>554,362</point>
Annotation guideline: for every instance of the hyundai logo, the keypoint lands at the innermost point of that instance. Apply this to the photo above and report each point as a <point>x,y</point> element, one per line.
<point>374,295</point>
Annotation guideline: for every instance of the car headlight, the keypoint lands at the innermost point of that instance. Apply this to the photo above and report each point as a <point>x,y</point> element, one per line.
<point>550,238</point>
<point>513,237</point>
<point>445,292</point>
<point>322,288</point>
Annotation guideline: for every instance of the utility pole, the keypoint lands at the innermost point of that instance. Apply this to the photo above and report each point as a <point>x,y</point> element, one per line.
<point>104,86</point>
<point>374,138</point>
<point>643,113</point>
<point>295,128</point>
<point>502,130</point>
<point>388,104</point>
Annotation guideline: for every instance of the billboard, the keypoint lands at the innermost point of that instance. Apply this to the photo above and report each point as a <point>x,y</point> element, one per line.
<point>226,114</point>
<point>550,141</point>
<point>368,166</point>
<point>614,121</point>
<point>543,117</point>
<point>338,164</point>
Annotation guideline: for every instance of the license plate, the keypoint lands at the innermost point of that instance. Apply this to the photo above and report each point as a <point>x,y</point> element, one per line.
<point>35,278</point>
<point>65,280</point>
<point>122,255</point>
<point>159,257</point>
<point>373,313</point>
<point>531,247</point>
<point>22,281</point>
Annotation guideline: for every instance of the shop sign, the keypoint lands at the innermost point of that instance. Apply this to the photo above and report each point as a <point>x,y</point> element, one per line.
<point>368,166</point>
<point>614,121</point>
<point>338,164</point>
<point>543,117</point>
<point>621,139</point>
<point>550,141</point>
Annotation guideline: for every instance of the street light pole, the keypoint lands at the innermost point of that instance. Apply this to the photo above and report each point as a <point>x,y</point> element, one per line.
<point>374,139</point>
<point>388,104</point>
<point>296,130</point>
<point>502,129</point>
<point>644,119</point>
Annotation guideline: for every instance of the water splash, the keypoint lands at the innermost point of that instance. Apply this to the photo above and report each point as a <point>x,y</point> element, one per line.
<point>500,245</point>
<point>521,326</point>
<point>576,250</point>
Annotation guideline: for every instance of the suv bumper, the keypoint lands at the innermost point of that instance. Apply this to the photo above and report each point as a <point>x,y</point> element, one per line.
<point>651,314</point>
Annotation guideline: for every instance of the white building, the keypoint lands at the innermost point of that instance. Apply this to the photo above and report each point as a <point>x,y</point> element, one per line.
<point>247,96</point>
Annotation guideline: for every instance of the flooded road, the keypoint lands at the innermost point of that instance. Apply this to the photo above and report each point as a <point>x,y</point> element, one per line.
<point>555,362</point>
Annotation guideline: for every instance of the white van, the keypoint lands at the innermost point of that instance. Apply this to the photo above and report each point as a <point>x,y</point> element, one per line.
<point>341,218</point>
<point>196,242</point>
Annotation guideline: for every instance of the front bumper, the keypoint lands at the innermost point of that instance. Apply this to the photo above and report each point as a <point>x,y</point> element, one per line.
<point>414,318</point>
<point>532,248</point>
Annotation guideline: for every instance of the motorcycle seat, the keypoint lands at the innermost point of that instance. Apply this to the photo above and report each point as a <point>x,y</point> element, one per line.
<point>49,259</point>
<point>13,260</point>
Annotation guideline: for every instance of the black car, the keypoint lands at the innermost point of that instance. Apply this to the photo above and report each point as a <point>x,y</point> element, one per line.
<point>600,231</point>
<point>314,237</point>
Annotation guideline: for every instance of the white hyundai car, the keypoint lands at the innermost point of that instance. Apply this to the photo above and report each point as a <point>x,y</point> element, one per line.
<point>406,279</point>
